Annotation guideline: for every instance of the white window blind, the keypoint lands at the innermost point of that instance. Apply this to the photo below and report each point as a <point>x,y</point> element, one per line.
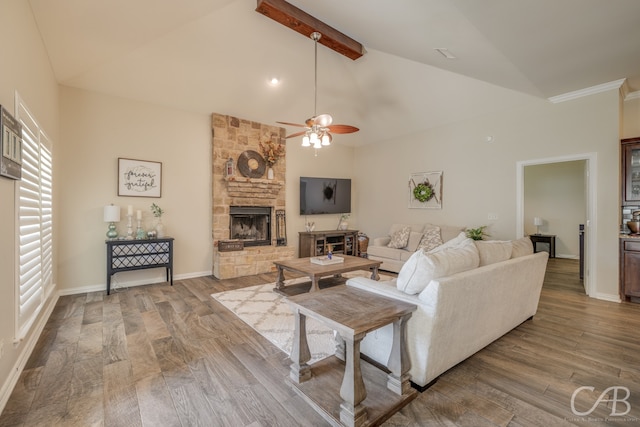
<point>35,222</point>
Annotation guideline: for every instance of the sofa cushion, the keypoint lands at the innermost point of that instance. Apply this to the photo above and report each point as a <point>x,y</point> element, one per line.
<point>423,266</point>
<point>386,252</point>
<point>415,237</point>
<point>492,251</point>
<point>400,238</point>
<point>405,255</point>
<point>430,238</point>
<point>521,247</point>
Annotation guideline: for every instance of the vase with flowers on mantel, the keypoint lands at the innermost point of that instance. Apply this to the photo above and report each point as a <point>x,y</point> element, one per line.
<point>272,151</point>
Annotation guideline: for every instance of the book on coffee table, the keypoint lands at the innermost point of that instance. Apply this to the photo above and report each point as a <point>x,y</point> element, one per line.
<point>324,260</point>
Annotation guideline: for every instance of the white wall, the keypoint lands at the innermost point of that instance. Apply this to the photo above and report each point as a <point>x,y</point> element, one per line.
<point>556,192</point>
<point>631,116</point>
<point>480,178</point>
<point>96,130</point>
<point>25,68</point>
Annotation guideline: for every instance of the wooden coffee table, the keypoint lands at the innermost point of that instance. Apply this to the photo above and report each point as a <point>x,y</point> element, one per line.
<point>344,389</point>
<point>315,272</point>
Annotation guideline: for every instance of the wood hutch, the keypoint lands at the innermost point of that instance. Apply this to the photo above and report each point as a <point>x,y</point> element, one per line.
<point>630,244</point>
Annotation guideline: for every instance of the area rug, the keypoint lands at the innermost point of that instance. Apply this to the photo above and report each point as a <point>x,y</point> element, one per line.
<point>269,314</point>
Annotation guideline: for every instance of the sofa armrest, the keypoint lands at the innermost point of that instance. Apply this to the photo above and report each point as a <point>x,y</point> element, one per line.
<point>385,288</point>
<point>381,241</point>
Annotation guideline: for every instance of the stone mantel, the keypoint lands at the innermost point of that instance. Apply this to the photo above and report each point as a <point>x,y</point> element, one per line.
<point>253,188</point>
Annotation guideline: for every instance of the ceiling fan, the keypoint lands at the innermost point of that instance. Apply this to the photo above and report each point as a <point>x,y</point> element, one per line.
<point>319,127</point>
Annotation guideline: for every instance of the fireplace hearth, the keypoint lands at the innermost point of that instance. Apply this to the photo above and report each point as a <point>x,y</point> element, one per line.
<point>251,224</point>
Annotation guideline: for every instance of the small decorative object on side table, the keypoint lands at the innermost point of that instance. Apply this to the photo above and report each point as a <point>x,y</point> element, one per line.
<point>112,215</point>
<point>129,222</point>
<point>157,212</point>
<point>140,235</point>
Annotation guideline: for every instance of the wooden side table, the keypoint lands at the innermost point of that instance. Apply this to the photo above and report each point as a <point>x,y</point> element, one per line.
<point>128,255</point>
<point>365,395</point>
<point>549,239</point>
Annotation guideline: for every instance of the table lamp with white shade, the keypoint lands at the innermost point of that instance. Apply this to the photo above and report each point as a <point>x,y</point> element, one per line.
<point>537,221</point>
<point>112,215</point>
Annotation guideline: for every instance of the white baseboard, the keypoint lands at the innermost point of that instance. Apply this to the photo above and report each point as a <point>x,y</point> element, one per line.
<point>103,286</point>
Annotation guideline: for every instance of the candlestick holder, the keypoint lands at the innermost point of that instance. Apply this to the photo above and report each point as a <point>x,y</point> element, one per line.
<point>140,232</point>
<point>130,226</point>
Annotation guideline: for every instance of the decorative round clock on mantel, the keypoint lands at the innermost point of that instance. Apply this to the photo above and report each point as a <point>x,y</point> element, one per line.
<point>251,164</point>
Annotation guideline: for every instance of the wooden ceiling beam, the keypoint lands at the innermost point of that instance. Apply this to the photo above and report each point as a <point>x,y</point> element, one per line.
<point>305,24</point>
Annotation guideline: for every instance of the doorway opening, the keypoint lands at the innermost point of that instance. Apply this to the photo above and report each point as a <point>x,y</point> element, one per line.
<point>590,225</point>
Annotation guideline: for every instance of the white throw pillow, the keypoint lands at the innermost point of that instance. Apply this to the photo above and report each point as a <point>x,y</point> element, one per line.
<point>492,251</point>
<point>422,267</point>
<point>460,239</point>
<point>400,238</point>
<point>521,247</point>
<point>431,239</point>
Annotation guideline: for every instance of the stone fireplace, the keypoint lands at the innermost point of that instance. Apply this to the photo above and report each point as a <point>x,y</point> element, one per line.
<point>257,198</point>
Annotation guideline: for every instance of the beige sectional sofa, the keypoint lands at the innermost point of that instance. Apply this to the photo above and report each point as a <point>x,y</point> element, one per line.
<point>468,295</point>
<point>393,258</point>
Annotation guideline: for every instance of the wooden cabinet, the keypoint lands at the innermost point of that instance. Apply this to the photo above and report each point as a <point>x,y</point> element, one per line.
<point>128,255</point>
<point>631,171</point>
<point>314,243</point>
<point>629,268</point>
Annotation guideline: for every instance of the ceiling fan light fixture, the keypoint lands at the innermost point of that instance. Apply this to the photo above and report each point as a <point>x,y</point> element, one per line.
<point>319,128</point>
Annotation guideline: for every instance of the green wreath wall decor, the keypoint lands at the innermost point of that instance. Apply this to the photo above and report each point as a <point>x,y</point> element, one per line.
<point>423,192</point>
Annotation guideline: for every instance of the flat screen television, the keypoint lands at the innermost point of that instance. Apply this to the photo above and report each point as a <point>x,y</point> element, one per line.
<point>324,195</point>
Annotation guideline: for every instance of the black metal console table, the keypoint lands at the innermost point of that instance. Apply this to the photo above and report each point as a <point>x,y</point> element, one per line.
<point>128,255</point>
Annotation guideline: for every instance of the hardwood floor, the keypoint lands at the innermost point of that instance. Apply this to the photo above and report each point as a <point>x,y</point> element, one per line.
<point>172,356</point>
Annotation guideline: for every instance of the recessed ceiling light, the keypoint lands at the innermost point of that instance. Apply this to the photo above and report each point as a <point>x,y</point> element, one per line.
<point>274,81</point>
<point>445,52</point>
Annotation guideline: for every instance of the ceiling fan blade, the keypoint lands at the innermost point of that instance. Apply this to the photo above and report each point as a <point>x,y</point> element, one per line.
<point>292,124</point>
<point>293,135</point>
<point>342,129</point>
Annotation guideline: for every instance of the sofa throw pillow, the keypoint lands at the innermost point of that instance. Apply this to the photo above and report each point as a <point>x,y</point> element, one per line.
<point>422,267</point>
<point>461,239</point>
<point>521,247</point>
<point>492,251</point>
<point>415,238</point>
<point>430,239</point>
<point>400,238</point>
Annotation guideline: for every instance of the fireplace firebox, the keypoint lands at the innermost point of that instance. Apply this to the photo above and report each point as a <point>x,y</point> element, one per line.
<point>251,224</point>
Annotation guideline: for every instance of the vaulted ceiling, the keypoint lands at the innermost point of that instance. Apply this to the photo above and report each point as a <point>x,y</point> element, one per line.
<point>218,56</point>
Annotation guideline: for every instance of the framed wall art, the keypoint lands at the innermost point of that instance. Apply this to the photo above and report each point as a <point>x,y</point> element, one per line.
<point>139,178</point>
<point>425,190</point>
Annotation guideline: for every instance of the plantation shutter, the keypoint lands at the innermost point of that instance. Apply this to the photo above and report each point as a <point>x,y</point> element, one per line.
<point>35,223</point>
